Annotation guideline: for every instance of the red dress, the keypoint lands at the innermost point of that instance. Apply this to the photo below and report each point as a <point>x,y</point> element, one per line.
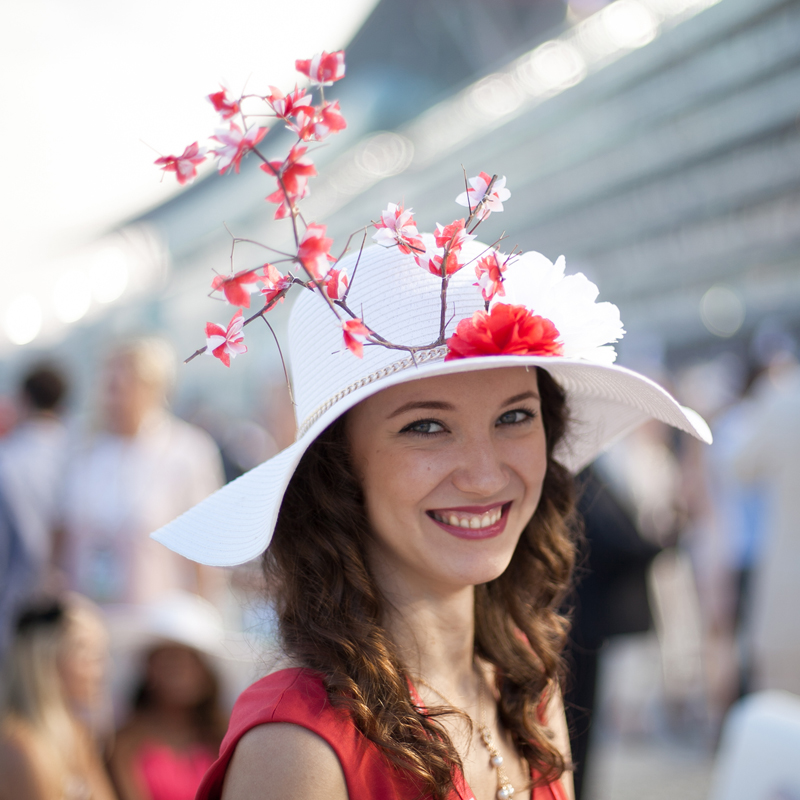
<point>299,697</point>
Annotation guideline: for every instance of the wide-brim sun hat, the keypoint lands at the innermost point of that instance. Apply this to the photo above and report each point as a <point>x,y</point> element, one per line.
<point>402,302</point>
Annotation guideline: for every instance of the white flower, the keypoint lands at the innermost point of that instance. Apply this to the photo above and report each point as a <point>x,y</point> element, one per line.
<point>587,328</point>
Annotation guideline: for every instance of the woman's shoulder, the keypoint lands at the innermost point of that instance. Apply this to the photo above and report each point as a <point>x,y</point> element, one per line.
<point>285,724</point>
<point>19,762</point>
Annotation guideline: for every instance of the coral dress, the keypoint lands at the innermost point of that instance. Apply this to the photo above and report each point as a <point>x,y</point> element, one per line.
<point>298,696</point>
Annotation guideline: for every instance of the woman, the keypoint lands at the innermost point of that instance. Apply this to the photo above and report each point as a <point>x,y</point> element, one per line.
<point>421,537</point>
<point>55,673</point>
<point>173,735</point>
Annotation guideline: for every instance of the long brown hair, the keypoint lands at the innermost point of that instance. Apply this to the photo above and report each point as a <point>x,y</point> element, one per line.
<point>330,609</point>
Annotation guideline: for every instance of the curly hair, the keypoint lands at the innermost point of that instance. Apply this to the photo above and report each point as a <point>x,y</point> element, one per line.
<point>336,629</point>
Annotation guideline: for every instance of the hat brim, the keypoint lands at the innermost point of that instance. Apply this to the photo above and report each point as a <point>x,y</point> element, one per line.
<point>235,524</point>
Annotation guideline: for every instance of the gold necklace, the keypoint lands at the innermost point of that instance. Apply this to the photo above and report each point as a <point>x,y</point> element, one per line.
<point>505,789</point>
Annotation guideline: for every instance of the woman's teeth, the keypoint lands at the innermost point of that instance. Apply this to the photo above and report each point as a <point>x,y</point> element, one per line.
<point>473,521</point>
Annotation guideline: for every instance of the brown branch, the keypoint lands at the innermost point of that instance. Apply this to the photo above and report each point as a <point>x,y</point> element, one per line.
<point>283,363</point>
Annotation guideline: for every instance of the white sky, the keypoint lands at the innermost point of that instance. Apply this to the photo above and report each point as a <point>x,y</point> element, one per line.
<point>86,82</point>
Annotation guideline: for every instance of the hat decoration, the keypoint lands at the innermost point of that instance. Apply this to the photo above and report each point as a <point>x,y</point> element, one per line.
<point>530,306</point>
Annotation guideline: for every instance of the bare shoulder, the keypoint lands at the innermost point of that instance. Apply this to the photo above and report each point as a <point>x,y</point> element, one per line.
<point>18,771</point>
<point>285,761</point>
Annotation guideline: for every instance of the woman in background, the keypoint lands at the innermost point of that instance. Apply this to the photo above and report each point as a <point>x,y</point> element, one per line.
<point>54,681</point>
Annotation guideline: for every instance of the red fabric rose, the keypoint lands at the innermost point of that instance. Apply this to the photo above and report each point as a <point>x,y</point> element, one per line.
<point>505,330</point>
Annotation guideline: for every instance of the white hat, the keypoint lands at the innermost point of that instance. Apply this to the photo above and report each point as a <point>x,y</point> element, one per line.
<point>402,302</point>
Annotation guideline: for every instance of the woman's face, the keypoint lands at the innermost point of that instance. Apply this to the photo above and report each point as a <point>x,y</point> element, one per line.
<point>177,677</point>
<point>452,469</point>
<point>83,659</point>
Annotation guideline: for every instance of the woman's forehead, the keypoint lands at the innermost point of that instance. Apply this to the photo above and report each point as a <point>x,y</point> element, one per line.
<point>490,386</point>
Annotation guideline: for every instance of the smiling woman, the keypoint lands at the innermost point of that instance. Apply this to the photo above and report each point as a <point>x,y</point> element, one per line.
<point>417,537</point>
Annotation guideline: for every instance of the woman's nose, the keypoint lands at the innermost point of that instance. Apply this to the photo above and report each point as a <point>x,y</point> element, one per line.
<point>481,470</point>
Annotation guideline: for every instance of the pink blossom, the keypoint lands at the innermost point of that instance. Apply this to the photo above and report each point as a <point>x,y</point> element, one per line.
<point>226,343</point>
<point>185,165</point>
<point>355,334</point>
<point>235,145</point>
<point>235,287</point>
<point>477,191</point>
<point>289,105</point>
<point>294,173</point>
<point>324,68</point>
<point>396,227</point>
<point>335,283</point>
<point>274,283</point>
<point>227,108</point>
<point>314,250</point>
<point>489,272</point>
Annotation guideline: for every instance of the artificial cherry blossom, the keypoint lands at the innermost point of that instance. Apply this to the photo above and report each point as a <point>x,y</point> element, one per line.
<point>505,330</point>
<point>324,68</point>
<point>185,165</point>
<point>289,105</point>
<point>335,283</point>
<point>274,283</point>
<point>355,334</point>
<point>294,173</point>
<point>226,108</point>
<point>226,343</point>
<point>236,288</point>
<point>455,235</point>
<point>235,145</point>
<point>396,227</point>
<point>318,123</point>
<point>314,250</point>
<point>489,272</point>
<point>477,192</point>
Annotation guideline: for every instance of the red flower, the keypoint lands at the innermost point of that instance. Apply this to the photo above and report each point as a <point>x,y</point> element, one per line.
<point>274,282</point>
<point>235,145</point>
<point>294,172</point>
<point>226,108</point>
<point>226,343</point>
<point>289,105</point>
<point>185,165</point>
<point>355,334</point>
<point>489,272</point>
<point>324,68</point>
<point>234,287</point>
<point>335,283</point>
<point>505,330</point>
<point>314,250</point>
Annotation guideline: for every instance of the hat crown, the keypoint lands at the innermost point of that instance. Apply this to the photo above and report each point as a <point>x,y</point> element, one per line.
<point>398,300</point>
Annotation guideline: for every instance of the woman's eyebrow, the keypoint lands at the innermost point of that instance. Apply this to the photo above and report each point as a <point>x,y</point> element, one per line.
<point>517,398</point>
<point>429,405</point>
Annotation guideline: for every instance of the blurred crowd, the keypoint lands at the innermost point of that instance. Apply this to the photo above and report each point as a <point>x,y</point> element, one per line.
<point>121,659</point>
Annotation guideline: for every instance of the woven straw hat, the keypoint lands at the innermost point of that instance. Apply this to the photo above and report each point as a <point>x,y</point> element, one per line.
<point>401,301</point>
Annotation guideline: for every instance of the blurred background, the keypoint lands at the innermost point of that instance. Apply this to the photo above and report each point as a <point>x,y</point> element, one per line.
<point>654,143</point>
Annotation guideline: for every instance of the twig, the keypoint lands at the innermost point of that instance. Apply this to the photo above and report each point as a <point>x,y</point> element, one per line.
<point>283,363</point>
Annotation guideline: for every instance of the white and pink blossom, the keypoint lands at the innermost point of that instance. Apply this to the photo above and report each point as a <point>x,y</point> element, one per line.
<point>396,227</point>
<point>476,192</point>
<point>235,145</point>
<point>185,165</point>
<point>323,69</point>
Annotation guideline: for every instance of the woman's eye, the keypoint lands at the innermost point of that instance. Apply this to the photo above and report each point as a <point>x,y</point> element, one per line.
<point>424,427</point>
<point>515,417</point>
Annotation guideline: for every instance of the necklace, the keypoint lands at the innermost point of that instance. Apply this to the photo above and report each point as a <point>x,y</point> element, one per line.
<point>505,790</point>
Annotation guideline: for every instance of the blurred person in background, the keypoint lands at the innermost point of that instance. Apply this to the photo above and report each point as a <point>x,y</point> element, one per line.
<point>53,687</point>
<point>143,467</point>
<point>176,723</point>
<point>769,453</point>
<point>32,461</point>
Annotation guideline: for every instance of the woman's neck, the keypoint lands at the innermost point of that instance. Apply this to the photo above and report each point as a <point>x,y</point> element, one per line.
<point>434,635</point>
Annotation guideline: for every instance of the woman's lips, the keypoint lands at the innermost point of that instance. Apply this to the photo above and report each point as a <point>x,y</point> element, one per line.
<point>472,522</point>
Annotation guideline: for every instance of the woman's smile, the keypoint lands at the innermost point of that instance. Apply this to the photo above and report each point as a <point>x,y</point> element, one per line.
<point>472,522</point>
